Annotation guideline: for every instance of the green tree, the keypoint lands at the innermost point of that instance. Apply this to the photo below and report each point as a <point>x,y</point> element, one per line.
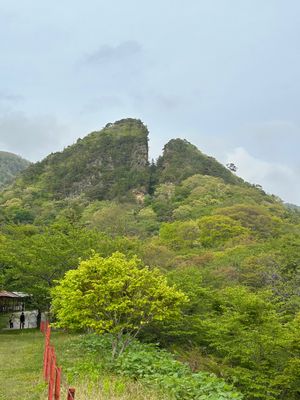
<point>112,218</point>
<point>179,234</point>
<point>246,332</point>
<point>114,295</point>
<point>216,230</point>
<point>256,218</point>
<point>31,259</point>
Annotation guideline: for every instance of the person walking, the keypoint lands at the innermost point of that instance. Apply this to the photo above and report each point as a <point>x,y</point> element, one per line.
<point>22,321</point>
<point>38,319</point>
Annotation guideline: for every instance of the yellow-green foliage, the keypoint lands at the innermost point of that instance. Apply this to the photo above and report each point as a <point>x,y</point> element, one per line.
<point>114,294</point>
<point>179,234</point>
<point>216,230</point>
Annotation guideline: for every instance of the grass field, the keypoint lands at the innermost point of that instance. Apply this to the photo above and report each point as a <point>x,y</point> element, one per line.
<point>21,360</point>
<point>3,321</point>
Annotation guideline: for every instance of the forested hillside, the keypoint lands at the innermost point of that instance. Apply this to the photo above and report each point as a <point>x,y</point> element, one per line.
<point>232,249</point>
<point>10,166</point>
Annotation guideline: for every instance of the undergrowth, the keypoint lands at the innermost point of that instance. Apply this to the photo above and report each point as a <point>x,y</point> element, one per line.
<point>146,363</point>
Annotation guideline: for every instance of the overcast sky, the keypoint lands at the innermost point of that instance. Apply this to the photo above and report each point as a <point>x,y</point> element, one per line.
<point>224,74</point>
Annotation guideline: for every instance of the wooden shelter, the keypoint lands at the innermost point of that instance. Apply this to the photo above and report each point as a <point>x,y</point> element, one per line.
<point>12,301</point>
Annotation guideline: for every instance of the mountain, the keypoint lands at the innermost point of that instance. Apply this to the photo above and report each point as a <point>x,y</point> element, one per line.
<point>291,206</point>
<point>111,165</point>
<point>181,159</point>
<point>103,165</point>
<point>10,166</point>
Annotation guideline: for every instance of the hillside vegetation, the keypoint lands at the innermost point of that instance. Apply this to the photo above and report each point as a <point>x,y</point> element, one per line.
<point>232,249</point>
<point>10,166</point>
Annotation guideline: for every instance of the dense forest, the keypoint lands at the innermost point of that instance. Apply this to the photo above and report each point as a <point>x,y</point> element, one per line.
<point>229,247</point>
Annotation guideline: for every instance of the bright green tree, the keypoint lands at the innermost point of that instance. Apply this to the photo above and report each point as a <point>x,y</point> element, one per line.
<point>215,230</point>
<point>114,295</point>
<point>179,234</point>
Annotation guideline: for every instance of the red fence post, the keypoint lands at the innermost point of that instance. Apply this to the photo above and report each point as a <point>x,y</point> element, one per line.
<point>48,331</point>
<point>48,366</point>
<point>46,350</point>
<point>46,360</point>
<point>52,374</point>
<point>71,394</point>
<point>57,384</point>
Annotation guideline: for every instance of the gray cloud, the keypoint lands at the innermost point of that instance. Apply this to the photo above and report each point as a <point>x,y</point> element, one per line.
<point>31,137</point>
<point>10,98</point>
<point>111,54</point>
<point>104,102</point>
<point>113,70</point>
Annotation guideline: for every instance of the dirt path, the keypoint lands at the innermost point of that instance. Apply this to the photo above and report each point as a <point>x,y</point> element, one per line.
<point>21,360</point>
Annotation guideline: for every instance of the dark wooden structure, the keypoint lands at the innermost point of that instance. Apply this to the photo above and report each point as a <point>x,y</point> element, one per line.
<point>11,301</point>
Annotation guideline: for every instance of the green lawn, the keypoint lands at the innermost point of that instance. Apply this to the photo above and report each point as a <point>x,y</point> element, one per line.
<point>3,320</point>
<point>21,363</point>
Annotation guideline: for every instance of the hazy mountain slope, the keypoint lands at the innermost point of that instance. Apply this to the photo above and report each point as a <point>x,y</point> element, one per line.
<point>10,166</point>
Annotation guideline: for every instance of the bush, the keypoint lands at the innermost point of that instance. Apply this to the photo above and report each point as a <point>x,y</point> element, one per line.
<point>159,369</point>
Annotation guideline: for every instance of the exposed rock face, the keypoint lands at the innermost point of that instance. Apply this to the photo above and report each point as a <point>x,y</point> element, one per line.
<point>10,166</point>
<point>181,159</point>
<point>104,165</point>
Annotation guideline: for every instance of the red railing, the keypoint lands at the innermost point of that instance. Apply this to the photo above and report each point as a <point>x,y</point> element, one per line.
<point>52,373</point>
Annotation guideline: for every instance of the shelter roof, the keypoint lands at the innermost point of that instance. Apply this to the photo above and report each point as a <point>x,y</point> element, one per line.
<point>5,293</point>
<point>21,294</point>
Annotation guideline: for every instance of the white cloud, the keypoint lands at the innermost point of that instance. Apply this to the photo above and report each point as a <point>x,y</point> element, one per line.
<point>276,139</point>
<point>275,178</point>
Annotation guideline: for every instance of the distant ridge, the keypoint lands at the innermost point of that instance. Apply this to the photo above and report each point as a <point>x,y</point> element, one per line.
<point>10,165</point>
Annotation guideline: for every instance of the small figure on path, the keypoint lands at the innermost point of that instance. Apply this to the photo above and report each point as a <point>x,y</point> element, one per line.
<point>22,321</point>
<point>38,319</point>
<point>11,324</point>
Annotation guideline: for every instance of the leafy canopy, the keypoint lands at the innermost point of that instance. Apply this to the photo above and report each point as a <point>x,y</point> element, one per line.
<point>115,295</point>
